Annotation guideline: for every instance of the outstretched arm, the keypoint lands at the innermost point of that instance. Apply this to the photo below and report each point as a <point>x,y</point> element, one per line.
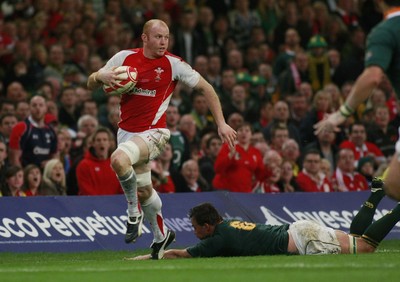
<point>169,254</point>
<point>362,89</point>
<point>226,133</point>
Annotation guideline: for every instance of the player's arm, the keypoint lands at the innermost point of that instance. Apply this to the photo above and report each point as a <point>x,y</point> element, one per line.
<point>225,131</point>
<point>103,76</point>
<point>169,254</point>
<point>362,89</point>
<point>15,157</point>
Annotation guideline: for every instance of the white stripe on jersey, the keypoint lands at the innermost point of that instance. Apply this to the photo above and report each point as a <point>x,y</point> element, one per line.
<point>118,59</point>
<point>183,72</point>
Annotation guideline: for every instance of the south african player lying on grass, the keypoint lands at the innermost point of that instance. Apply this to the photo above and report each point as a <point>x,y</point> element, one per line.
<point>238,238</point>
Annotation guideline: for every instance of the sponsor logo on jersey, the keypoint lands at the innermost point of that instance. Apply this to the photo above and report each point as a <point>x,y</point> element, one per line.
<point>143,92</point>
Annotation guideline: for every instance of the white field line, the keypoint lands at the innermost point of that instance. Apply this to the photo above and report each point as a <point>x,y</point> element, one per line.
<point>154,266</point>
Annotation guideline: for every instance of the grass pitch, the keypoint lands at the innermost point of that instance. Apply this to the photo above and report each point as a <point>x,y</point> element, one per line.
<point>383,266</point>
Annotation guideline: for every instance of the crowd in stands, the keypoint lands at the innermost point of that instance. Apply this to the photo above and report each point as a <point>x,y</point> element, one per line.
<point>278,67</point>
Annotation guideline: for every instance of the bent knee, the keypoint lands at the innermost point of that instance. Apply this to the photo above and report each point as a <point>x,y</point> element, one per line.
<point>120,162</point>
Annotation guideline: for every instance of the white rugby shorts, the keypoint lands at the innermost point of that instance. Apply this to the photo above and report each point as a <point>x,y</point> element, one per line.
<point>155,139</point>
<point>311,238</point>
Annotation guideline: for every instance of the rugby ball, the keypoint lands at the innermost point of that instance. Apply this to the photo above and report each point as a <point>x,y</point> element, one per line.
<point>126,79</point>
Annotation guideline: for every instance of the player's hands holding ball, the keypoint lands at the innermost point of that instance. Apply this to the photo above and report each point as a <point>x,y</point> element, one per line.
<point>117,80</point>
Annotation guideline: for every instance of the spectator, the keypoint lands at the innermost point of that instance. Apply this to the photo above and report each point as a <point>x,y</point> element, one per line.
<point>235,120</point>
<point>228,81</point>
<point>89,107</point>
<point>112,103</point>
<point>3,162</point>
<point>205,29</point>
<point>7,123</point>
<point>270,184</point>
<point>188,44</point>
<point>366,168</point>
<point>292,77</point>
<point>290,48</point>
<point>265,115</point>
<point>269,14</point>
<point>68,114</point>
<point>291,153</point>
<point>288,181</point>
<point>346,178</point>
<point>281,115</point>
<point>358,143</point>
<point>322,104</point>
<point>86,127</point>
<point>14,180</point>
<point>319,68</point>
<point>161,171</point>
<point>206,163</point>
<point>214,76</point>
<point>279,135</point>
<point>94,173</point>
<point>56,65</point>
<point>326,146</point>
<point>54,183</point>
<point>381,132</point>
<point>190,179</point>
<point>299,107</point>
<point>235,170</point>
<point>32,180</point>
<point>31,140</point>
<point>64,141</point>
<point>7,107</point>
<point>201,115</point>
<point>242,20</point>
<point>268,181</point>
<point>237,102</point>
<point>22,110</point>
<point>291,19</point>
<point>16,92</point>
<point>312,178</point>
<point>187,125</point>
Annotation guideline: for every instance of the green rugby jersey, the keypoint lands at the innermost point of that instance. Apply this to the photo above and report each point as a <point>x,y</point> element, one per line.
<point>239,238</point>
<point>383,49</point>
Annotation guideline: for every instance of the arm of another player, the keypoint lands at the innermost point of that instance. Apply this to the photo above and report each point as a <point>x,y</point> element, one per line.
<point>226,133</point>
<point>366,82</point>
<point>169,254</point>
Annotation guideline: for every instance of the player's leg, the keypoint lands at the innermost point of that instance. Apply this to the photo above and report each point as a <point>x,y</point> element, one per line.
<point>128,153</point>
<point>392,183</point>
<point>378,230</point>
<point>151,204</point>
<point>364,217</point>
<point>149,198</point>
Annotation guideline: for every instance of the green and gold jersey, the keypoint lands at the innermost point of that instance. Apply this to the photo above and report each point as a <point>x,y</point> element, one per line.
<point>240,238</point>
<point>383,49</point>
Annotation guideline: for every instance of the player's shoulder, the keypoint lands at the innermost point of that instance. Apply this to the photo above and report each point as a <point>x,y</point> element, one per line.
<point>169,55</point>
<point>128,52</point>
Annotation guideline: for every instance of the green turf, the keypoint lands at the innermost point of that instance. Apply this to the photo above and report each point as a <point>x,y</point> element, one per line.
<point>382,266</point>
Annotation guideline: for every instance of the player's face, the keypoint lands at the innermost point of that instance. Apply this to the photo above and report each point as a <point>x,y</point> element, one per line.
<point>201,232</point>
<point>156,41</point>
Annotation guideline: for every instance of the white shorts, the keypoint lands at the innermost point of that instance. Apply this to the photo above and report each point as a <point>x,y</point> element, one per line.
<point>311,238</point>
<point>154,138</point>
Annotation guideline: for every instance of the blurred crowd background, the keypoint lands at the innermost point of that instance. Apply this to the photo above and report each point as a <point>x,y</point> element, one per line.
<point>277,66</point>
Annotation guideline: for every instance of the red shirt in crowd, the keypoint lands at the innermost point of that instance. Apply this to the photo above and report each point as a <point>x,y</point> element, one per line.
<point>96,177</point>
<point>308,184</point>
<point>239,173</point>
